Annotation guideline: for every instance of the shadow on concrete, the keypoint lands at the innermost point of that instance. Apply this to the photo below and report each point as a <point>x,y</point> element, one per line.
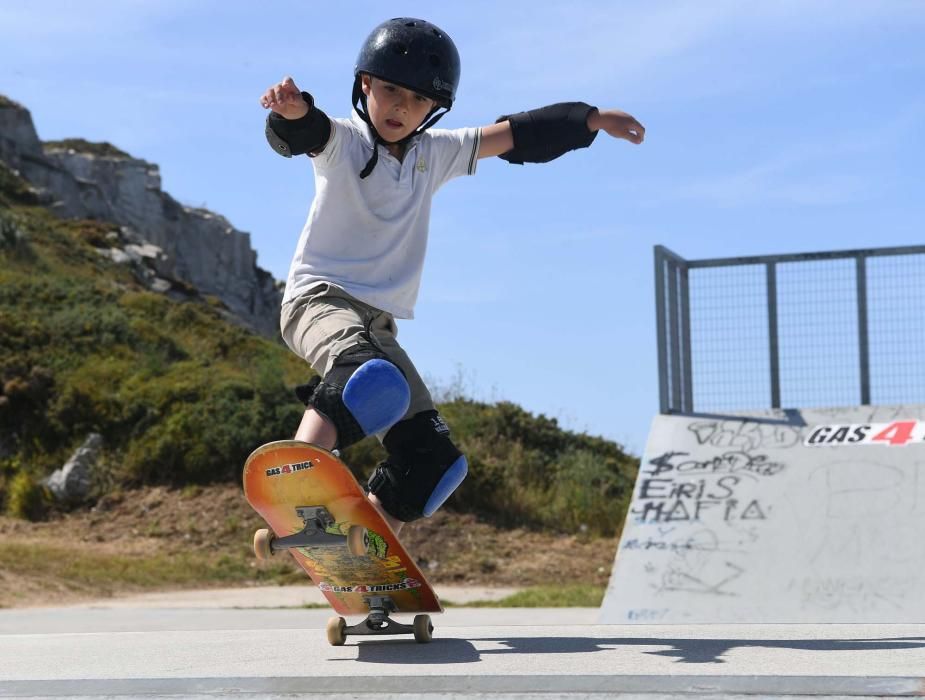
<point>690,651</point>
<point>403,651</point>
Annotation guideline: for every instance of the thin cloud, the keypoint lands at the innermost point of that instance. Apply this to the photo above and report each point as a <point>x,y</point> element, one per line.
<point>658,49</point>
<point>63,23</point>
<point>762,186</point>
<point>812,175</point>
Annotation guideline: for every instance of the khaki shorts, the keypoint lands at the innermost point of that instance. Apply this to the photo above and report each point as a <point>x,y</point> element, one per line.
<point>320,325</point>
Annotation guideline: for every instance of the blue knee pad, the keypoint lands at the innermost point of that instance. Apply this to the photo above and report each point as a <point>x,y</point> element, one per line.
<point>377,395</point>
<point>448,483</point>
<point>364,393</point>
<point>422,470</point>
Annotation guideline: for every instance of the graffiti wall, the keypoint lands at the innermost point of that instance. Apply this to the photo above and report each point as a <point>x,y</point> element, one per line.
<point>797,516</point>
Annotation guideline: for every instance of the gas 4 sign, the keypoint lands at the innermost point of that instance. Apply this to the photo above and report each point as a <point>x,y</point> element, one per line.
<point>901,432</point>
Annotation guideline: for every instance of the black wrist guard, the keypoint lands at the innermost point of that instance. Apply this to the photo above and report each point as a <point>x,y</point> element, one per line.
<point>541,135</point>
<point>292,137</point>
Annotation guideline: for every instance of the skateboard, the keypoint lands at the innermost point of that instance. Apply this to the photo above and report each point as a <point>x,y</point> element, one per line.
<point>319,513</point>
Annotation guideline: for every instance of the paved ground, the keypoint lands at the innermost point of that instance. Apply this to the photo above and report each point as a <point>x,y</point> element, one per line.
<point>275,597</point>
<point>96,651</point>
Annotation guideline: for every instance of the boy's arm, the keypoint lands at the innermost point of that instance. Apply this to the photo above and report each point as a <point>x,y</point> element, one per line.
<point>541,135</point>
<point>496,139</point>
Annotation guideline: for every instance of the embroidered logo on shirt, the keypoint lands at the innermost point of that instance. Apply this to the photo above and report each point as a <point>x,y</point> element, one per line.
<point>421,166</point>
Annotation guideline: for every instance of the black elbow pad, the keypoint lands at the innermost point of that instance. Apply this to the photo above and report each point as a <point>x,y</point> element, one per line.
<point>542,135</point>
<point>293,137</point>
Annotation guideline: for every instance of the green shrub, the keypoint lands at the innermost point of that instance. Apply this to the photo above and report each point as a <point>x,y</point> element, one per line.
<point>208,436</point>
<point>588,494</point>
<point>526,470</point>
<point>25,498</point>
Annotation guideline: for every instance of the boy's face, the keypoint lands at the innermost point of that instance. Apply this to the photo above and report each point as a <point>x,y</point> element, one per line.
<point>394,111</point>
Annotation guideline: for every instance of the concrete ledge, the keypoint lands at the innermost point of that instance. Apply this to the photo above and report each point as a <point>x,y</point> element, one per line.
<point>446,686</point>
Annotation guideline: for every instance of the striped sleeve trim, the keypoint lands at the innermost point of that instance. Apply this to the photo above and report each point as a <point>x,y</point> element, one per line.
<point>474,158</point>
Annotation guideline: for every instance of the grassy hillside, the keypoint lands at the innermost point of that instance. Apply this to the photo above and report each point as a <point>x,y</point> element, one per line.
<point>181,396</point>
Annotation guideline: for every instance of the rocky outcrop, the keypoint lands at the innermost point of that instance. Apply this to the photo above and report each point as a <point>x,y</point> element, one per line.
<point>98,181</point>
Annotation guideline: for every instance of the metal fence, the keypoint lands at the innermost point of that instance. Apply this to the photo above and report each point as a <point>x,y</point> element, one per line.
<point>791,331</point>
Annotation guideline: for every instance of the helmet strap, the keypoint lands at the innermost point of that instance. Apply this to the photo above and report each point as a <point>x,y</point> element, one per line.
<point>360,97</point>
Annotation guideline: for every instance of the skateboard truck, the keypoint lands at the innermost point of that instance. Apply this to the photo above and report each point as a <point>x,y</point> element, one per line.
<point>378,622</point>
<point>317,521</point>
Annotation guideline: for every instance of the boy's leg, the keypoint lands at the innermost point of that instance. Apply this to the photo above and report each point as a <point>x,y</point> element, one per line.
<point>393,522</point>
<point>423,466</point>
<point>319,334</point>
<point>317,430</point>
<point>359,391</point>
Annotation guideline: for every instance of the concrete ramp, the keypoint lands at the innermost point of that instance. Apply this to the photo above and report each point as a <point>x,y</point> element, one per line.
<point>778,517</point>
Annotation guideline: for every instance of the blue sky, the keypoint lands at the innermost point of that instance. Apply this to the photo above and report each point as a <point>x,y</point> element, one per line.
<point>772,127</point>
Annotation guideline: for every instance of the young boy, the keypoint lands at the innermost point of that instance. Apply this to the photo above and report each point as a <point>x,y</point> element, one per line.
<point>357,266</point>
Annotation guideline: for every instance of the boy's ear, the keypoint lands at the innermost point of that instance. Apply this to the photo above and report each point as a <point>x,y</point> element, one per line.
<point>366,83</point>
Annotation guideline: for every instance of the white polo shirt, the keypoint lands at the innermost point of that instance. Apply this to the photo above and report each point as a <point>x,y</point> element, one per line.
<point>369,236</point>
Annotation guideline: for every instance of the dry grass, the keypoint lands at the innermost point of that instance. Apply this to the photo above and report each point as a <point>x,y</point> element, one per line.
<point>159,539</point>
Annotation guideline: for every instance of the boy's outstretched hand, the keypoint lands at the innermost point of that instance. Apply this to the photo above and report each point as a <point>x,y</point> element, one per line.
<point>285,99</point>
<point>618,124</point>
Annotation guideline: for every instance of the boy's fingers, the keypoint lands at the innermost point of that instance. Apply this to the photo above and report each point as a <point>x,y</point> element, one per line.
<point>288,87</point>
<point>284,92</point>
<point>638,131</point>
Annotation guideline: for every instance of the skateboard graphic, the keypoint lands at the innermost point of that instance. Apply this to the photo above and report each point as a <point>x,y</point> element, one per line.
<point>318,511</point>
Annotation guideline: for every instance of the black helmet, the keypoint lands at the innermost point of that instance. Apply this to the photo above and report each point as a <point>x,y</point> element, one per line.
<point>415,54</point>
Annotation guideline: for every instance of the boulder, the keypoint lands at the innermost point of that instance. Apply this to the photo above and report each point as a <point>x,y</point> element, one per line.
<point>72,482</point>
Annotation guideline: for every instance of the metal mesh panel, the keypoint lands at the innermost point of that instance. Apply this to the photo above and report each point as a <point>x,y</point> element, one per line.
<point>896,304</point>
<point>729,338</point>
<point>818,333</point>
<point>792,331</point>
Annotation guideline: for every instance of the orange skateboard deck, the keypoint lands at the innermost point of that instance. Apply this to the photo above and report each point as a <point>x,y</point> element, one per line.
<point>318,512</point>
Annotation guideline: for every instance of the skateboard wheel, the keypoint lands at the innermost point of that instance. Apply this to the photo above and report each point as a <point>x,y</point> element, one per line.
<point>335,629</point>
<point>262,544</point>
<point>423,629</point>
<point>358,540</point>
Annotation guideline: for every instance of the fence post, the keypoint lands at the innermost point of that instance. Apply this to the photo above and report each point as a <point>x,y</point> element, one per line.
<point>674,325</point>
<point>660,321</point>
<point>773,345</point>
<point>863,339</point>
<point>687,403</point>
